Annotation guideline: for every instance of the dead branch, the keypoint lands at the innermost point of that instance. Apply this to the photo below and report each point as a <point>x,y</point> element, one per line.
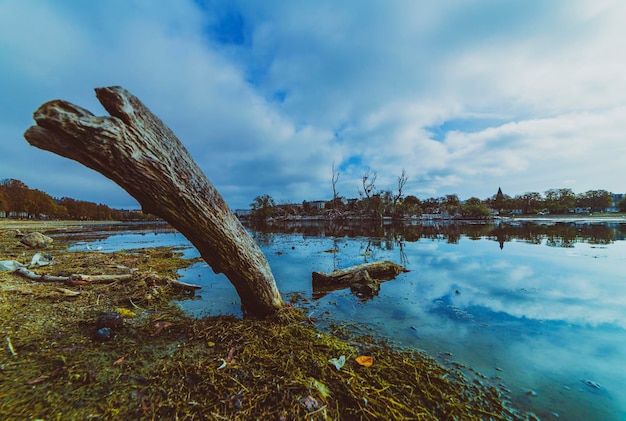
<point>28,274</point>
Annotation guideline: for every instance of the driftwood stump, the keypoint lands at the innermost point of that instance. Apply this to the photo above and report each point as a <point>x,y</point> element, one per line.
<point>363,280</point>
<point>135,149</point>
<point>379,270</point>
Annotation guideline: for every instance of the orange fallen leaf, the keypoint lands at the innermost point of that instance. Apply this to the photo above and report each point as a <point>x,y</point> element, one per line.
<point>365,360</point>
<point>120,359</point>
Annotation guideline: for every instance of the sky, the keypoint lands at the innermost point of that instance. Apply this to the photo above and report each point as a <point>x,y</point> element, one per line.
<point>466,96</point>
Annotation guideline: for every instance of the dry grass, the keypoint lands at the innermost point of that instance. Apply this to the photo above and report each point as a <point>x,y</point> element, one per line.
<point>165,365</point>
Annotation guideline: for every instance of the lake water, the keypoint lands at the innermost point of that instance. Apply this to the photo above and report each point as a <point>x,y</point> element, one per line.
<point>537,306</point>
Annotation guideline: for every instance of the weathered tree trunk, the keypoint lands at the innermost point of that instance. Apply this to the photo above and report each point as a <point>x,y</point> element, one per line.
<point>363,280</point>
<point>139,152</point>
<point>378,270</point>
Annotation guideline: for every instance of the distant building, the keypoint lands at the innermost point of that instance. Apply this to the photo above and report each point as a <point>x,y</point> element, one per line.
<point>317,204</point>
<point>616,199</point>
<point>243,213</point>
<point>580,211</point>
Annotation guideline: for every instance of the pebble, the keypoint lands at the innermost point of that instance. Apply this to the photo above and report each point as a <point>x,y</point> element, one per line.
<point>103,334</point>
<point>110,320</point>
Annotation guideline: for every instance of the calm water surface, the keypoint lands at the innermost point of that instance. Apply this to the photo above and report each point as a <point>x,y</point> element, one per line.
<point>539,307</point>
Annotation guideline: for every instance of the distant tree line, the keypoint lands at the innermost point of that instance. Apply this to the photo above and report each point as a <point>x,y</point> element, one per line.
<point>20,201</point>
<point>373,203</point>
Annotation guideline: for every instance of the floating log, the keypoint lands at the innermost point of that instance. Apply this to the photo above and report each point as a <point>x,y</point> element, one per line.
<point>363,280</point>
<point>135,149</point>
<point>383,271</point>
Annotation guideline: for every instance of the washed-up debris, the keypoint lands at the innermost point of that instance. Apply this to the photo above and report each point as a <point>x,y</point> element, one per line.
<point>320,387</point>
<point>338,362</point>
<point>310,403</point>
<point>124,312</point>
<point>102,334</point>
<point>71,278</point>
<point>40,260</point>
<point>120,359</point>
<point>37,260</point>
<point>10,265</point>
<point>110,320</point>
<point>40,379</point>
<point>10,346</point>
<point>160,326</point>
<point>68,292</point>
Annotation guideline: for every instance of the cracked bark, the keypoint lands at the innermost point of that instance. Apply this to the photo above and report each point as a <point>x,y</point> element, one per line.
<point>136,150</point>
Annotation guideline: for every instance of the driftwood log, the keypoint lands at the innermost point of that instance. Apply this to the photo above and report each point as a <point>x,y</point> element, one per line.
<point>135,149</point>
<point>363,280</point>
<point>81,279</point>
<point>28,274</point>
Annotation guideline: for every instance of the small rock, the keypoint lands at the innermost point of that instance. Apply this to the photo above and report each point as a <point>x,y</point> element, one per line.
<point>592,384</point>
<point>36,240</point>
<point>310,403</point>
<point>103,334</point>
<point>110,320</point>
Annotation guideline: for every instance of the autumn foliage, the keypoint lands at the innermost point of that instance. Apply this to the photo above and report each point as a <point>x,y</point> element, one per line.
<point>18,200</point>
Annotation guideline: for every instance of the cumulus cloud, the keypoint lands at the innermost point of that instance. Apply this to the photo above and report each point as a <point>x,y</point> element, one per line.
<point>267,95</point>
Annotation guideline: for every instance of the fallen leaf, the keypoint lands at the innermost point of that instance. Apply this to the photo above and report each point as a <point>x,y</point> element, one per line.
<point>365,360</point>
<point>160,326</point>
<point>37,380</point>
<point>230,358</point>
<point>120,359</point>
<point>321,387</point>
<point>68,292</point>
<point>310,403</point>
<point>53,374</point>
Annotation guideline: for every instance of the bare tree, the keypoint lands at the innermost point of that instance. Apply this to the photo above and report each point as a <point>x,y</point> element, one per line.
<point>369,195</point>
<point>401,182</point>
<point>368,182</point>
<point>334,179</point>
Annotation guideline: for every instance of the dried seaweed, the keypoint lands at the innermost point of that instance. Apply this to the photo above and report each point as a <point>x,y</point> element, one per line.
<point>163,364</point>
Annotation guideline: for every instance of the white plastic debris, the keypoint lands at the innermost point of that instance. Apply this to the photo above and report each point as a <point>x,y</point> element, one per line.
<point>39,260</point>
<point>338,362</point>
<point>11,265</point>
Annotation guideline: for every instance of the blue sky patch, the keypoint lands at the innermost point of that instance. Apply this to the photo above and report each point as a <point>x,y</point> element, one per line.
<point>228,27</point>
<point>463,125</point>
<point>353,161</point>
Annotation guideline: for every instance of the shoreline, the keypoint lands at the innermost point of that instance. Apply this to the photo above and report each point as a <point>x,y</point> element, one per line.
<point>9,223</point>
<point>160,359</point>
<point>620,217</point>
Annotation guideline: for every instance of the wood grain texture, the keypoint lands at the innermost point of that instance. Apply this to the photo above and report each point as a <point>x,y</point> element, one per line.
<point>136,150</point>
